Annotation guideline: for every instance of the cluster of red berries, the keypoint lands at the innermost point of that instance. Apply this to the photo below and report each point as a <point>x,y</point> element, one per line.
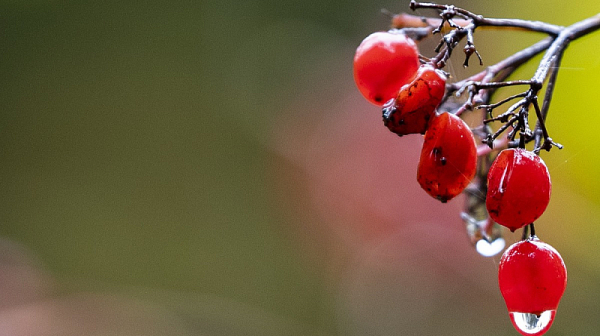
<point>390,73</point>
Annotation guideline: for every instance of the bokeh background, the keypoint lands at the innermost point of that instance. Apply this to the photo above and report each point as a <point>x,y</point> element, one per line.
<point>208,168</point>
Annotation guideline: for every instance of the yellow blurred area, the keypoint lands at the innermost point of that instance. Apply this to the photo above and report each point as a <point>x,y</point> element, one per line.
<point>209,168</point>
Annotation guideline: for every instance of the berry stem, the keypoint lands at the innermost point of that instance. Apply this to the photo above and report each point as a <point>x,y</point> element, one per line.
<point>525,232</point>
<point>528,232</point>
<point>532,229</point>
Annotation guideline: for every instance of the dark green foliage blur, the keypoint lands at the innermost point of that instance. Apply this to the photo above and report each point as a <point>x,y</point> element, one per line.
<point>131,144</point>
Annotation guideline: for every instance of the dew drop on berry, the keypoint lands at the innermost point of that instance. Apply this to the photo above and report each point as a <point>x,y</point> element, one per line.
<point>531,324</point>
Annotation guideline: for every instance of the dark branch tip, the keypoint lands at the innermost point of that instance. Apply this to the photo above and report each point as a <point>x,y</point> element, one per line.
<point>489,140</point>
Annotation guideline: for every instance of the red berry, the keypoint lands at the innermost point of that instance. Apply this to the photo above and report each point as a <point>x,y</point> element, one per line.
<point>415,104</point>
<point>518,188</point>
<point>383,63</point>
<point>532,278</point>
<point>448,158</point>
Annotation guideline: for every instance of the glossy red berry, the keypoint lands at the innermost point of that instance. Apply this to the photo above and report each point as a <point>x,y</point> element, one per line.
<point>448,157</point>
<point>518,188</point>
<point>383,63</point>
<point>532,278</point>
<point>416,102</point>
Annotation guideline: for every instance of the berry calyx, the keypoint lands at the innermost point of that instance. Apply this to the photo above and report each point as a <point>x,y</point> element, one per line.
<point>383,63</point>
<point>532,278</point>
<point>448,158</point>
<point>416,102</point>
<point>519,188</point>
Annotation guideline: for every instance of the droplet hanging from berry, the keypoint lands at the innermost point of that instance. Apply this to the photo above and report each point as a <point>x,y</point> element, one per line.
<point>485,234</point>
<point>528,324</point>
<point>532,278</point>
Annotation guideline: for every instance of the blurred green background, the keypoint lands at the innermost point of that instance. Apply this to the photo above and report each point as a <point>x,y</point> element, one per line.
<point>210,166</point>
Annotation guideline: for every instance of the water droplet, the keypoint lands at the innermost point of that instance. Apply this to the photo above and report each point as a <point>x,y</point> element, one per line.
<point>485,235</point>
<point>531,324</point>
<point>487,249</point>
<point>483,232</point>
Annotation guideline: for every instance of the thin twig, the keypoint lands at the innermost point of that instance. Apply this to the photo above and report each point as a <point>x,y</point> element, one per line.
<point>490,107</point>
<point>479,20</point>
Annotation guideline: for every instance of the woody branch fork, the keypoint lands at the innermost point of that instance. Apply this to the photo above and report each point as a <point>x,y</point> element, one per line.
<point>482,86</point>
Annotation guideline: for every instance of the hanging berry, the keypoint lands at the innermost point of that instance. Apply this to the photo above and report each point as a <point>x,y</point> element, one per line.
<point>383,63</point>
<point>518,188</point>
<point>411,111</point>
<point>448,158</point>
<point>532,278</point>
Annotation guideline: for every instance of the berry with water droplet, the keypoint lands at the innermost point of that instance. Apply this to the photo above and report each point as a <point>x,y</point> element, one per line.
<point>416,102</point>
<point>532,278</point>
<point>448,157</point>
<point>383,63</point>
<point>518,188</point>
